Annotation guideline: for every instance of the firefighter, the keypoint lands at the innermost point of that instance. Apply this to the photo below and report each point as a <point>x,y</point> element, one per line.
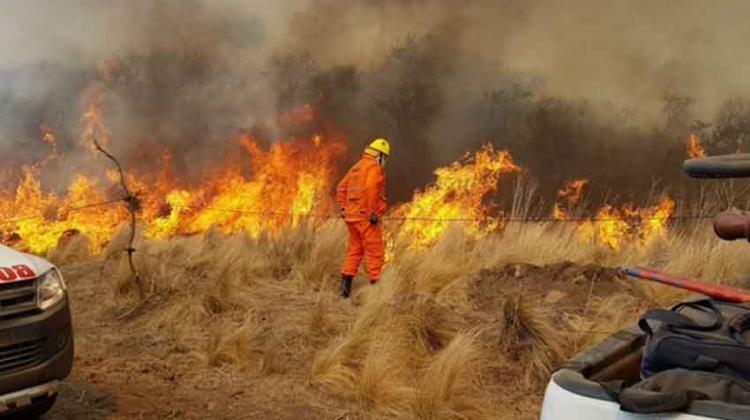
<point>361,198</point>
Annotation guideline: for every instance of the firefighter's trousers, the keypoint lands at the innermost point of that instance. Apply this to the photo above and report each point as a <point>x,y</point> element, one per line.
<point>365,241</point>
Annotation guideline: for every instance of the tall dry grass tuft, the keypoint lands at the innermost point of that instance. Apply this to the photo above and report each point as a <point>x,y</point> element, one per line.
<point>319,268</point>
<point>449,259</point>
<point>604,316</point>
<point>335,367</point>
<point>382,383</point>
<point>448,387</point>
<point>320,324</point>
<point>697,252</point>
<point>74,248</point>
<point>233,345</point>
<point>391,339</point>
<point>282,251</point>
<point>413,328</point>
<point>439,271</point>
<point>538,243</point>
<point>532,335</point>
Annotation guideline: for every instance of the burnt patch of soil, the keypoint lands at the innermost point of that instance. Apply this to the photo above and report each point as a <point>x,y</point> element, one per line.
<point>80,400</point>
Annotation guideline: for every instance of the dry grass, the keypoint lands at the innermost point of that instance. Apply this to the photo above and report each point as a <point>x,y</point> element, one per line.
<point>413,347</point>
<point>533,336</point>
<point>448,388</point>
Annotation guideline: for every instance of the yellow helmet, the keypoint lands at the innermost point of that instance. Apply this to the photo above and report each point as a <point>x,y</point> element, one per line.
<point>379,145</point>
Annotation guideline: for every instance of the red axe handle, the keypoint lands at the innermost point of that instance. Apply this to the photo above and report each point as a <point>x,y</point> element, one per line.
<point>725,293</point>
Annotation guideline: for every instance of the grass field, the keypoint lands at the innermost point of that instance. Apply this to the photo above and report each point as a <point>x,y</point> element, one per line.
<point>468,328</point>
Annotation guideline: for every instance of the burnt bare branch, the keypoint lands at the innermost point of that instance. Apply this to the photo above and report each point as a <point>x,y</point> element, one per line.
<point>133,206</point>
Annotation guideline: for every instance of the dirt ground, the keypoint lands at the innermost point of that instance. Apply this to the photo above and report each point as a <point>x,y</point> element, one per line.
<point>124,370</point>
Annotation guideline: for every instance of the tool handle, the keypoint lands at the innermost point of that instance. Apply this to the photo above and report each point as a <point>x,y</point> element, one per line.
<point>716,291</point>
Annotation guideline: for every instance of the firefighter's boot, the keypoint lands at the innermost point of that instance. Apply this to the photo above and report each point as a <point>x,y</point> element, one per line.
<point>346,285</point>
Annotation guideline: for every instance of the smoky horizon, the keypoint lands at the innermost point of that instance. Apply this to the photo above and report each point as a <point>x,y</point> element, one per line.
<point>608,92</point>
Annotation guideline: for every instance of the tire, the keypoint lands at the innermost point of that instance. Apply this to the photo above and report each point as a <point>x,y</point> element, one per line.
<point>39,408</point>
<point>724,166</point>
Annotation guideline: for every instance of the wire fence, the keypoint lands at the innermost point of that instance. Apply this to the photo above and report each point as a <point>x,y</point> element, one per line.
<point>452,219</point>
<point>66,210</point>
<point>328,216</point>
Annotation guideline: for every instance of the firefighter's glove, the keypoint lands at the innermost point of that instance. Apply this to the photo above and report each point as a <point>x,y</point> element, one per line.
<point>374,219</point>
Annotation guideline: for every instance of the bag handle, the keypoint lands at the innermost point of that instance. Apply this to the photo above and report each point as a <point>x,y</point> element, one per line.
<point>664,316</point>
<point>706,305</point>
<point>678,320</point>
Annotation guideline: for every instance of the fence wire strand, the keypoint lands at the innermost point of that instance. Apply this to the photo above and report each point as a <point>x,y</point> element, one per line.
<point>449,219</point>
<point>65,210</point>
<point>525,220</point>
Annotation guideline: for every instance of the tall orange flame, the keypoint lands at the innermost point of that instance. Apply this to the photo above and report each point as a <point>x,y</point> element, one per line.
<point>617,227</point>
<point>568,197</point>
<point>269,189</point>
<point>287,182</point>
<point>694,147</point>
<point>457,193</point>
<point>48,136</point>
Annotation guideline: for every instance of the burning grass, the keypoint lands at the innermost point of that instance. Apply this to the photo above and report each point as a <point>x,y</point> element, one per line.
<point>473,313</point>
<point>264,191</point>
<point>464,329</point>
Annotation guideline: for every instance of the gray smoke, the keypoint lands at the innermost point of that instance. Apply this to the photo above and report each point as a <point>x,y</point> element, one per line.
<point>571,88</point>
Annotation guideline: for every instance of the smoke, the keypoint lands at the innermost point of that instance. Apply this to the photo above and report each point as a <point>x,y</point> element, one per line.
<point>569,87</point>
<point>180,75</point>
<point>624,52</point>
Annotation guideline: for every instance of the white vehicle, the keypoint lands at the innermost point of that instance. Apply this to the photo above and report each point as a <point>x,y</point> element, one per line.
<point>36,336</point>
<point>574,392</point>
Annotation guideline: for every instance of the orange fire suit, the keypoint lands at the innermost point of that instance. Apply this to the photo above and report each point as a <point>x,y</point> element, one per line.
<point>360,195</point>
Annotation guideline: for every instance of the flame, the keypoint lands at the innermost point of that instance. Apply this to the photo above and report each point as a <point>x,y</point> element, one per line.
<point>37,220</point>
<point>457,193</point>
<point>273,189</point>
<point>48,136</point>
<point>694,147</point>
<point>568,197</point>
<point>267,189</point>
<point>288,182</point>
<point>169,224</point>
<point>94,128</point>
<point>615,227</point>
<point>654,224</point>
<point>94,97</point>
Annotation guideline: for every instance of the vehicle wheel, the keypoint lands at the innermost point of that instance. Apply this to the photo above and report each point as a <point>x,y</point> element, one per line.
<point>38,408</point>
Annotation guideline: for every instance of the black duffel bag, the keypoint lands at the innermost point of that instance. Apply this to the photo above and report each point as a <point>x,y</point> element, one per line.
<point>706,334</point>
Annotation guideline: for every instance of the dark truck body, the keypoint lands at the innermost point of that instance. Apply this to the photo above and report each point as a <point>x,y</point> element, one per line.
<point>36,349</point>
